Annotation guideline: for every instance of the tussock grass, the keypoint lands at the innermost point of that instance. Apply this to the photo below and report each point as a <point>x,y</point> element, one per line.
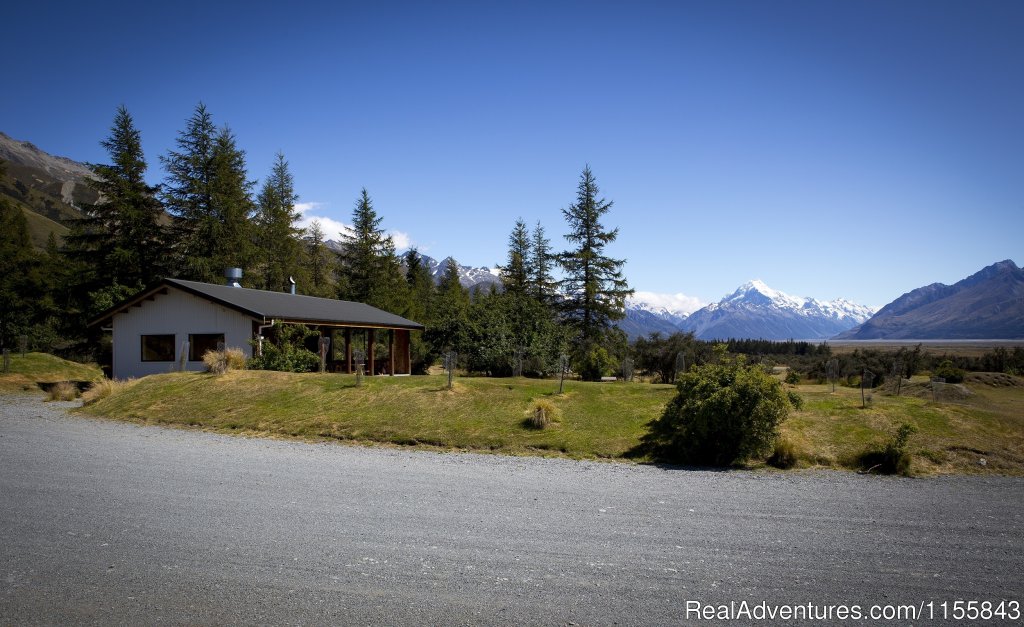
<point>63,391</point>
<point>219,362</point>
<point>103,388</point>
<point>541,414</point>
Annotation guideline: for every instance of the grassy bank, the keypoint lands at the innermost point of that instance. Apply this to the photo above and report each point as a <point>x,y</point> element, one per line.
<point>596,420</point>
<point>981,420</point>
<point>28,372</point>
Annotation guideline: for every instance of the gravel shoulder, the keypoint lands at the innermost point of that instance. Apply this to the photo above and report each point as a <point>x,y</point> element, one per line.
<point>108,522</point>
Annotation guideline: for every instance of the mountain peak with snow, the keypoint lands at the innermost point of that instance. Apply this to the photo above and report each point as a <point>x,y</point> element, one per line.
<point>758,311</point>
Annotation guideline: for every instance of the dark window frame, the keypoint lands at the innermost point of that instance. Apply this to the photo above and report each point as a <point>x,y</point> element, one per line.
<point>142,347</point>
<point>192,356</point>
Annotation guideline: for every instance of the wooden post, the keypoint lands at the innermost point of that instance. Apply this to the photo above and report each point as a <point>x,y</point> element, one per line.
<point>391,352</point>
<point>371,340</point>
<point>408,352</point>
<point>348,350</point>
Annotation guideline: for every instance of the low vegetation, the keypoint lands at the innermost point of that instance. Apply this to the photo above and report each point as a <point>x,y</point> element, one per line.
<point>63,391</point>
<point>221,361</point>
<point>724,414</point>
<point>36,370</point>
<point>973,427</point>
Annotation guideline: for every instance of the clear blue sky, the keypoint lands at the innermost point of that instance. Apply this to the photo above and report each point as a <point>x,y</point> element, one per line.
<point>855,149</point>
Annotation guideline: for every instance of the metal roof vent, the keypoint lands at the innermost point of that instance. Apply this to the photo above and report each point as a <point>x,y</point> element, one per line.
<point>233,275</point>
<point>291,280</point>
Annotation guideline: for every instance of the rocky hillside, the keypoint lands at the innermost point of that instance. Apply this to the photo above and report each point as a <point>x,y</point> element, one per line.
<point>987,305</point>
<point>48,189</point>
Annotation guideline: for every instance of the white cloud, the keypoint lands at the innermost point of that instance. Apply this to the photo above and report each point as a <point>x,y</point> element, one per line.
<point>305,207</point>
<point>402,240</point>
<point>678,303</point>
<point>333,228</point>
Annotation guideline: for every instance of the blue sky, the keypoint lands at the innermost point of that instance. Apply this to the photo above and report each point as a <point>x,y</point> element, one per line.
<point>831,149</point>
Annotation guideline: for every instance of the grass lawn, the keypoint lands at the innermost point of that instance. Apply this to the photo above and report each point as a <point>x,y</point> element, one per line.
<point>597,420</point>
<point>983,419</point>
<point>26,373</point>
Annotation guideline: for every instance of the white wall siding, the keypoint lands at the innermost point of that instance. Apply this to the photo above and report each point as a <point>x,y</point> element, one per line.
<point>178,313</point>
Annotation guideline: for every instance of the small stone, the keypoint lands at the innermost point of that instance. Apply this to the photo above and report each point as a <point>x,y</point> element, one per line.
<point>982,462</point>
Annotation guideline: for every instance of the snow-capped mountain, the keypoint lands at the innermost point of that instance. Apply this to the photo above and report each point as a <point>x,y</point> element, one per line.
<point>760,312</point>
<point>469,277</point>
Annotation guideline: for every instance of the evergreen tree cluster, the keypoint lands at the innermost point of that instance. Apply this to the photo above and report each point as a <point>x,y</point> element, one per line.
<point>208,214</point>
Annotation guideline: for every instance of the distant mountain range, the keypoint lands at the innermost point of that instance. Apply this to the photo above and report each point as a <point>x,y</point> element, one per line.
<point>754,310</point>
<point>986,305</point>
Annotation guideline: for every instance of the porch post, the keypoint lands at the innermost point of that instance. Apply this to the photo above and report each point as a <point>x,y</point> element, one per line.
<point>371,340</point>
<point>348,350</point>
<point>391,352</point>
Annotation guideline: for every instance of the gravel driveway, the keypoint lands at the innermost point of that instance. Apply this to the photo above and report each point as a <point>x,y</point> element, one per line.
<point>105,522</point>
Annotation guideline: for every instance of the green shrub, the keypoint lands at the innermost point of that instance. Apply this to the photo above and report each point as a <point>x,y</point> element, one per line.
<point>724,413</point>
<point>785,455</point>
<point>949,372</point>
<point>288,353</point>
<point>596,363</point>
<point>795,400</point>
<point>894,458</point>
<point>792,377</point>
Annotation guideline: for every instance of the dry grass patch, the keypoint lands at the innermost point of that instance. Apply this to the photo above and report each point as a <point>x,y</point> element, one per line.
<point>63,391</point>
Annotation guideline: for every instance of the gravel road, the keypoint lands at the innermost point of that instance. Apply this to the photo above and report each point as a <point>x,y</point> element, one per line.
<point>104,522</point>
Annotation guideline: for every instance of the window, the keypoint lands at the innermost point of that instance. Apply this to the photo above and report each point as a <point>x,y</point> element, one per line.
<point>158,348</point>
<point>199,343</point>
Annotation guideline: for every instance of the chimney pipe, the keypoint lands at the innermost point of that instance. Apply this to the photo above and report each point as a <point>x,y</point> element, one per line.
<point>233,275</point>
<point>292,281</point>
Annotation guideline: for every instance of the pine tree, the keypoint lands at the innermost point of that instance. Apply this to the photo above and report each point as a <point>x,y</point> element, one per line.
<point>208,193</point>
<point>188,196</point>
<point>369,271</point>
<point>317,260</point>
<point>542,261</point>
<point>18,265</point>
<point>120,238</point>
<point>594,287</point>
<point>515,273</point>
<point>278,240</point>
<point>233,206</point>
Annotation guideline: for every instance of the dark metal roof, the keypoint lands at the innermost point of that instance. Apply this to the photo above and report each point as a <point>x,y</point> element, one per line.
<point>280,306</point>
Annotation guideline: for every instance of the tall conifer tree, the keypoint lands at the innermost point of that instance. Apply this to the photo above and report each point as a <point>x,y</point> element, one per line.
<point>120,240</point>
<point>278,240</point>
<point>594,287</point>
<point>515,274</point>
<point>369,271</point>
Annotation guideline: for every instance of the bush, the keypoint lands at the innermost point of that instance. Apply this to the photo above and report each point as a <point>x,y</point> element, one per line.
<point>288,353</point>
<point>792,377</point>
<point>595,363</point>
<point>894,458</point>
<point>785,455</point>
<point>725,413</point>
<point>795,400</point>
<point>219,362</point>
<point>949,372</point>
<point>63,391</point>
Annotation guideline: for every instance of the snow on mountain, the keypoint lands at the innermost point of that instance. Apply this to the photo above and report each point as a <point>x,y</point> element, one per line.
<point>469,276</point>
<point>755,310</point>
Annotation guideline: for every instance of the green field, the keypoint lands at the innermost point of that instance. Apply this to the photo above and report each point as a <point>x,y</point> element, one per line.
<point>982,420</point>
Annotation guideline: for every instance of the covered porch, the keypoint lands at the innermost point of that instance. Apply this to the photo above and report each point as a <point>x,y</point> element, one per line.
<point>384,351</point>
